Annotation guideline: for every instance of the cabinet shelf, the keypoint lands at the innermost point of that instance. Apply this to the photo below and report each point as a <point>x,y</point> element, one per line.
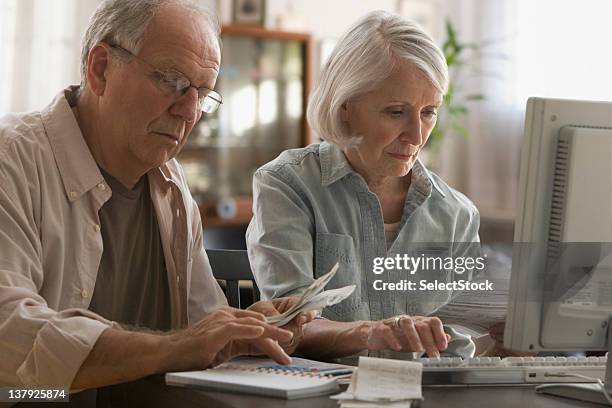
<point>265,80</point>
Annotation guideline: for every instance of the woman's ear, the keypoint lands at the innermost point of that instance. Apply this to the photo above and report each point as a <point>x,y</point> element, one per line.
<point>344,115</point>
<point>98,62</point>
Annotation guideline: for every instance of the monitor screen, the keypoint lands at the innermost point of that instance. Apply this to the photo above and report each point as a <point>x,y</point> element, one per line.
<point>561,284</point>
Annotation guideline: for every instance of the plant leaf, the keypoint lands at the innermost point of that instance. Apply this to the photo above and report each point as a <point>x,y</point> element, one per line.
<point>475,97</point>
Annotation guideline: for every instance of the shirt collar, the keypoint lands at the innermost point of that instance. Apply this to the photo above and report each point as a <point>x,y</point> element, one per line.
<point>335,166</point>
<point>77,167</point>
<point>427,177</point>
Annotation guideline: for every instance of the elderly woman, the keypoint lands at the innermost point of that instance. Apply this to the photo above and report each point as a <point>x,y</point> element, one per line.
<point>363,194</point>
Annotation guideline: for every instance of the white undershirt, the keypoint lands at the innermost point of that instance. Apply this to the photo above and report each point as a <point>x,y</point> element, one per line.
<point>391,231</point>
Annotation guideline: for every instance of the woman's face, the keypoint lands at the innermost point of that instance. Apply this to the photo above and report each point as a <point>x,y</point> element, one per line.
<point>394,122</point>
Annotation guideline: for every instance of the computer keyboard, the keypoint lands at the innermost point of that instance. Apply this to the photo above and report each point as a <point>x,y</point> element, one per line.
<point>511,370</point>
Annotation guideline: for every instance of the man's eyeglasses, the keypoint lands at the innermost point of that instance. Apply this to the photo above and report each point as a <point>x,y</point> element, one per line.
<point>172,82</point>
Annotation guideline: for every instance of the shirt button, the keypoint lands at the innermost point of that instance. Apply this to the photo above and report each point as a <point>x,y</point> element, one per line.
<point>73,194</point>
<point>96,227</point>
<point>84,293</point>
<point>178,212</point>
<point>101,186</point>
<point>178,279</point>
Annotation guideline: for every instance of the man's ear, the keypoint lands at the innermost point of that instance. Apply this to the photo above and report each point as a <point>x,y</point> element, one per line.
<point>98,63</point>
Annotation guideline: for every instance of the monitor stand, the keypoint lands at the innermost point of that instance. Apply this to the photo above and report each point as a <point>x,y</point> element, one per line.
<point>586,392</point>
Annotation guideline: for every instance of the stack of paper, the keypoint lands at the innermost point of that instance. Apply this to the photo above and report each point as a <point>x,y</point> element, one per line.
<point>314,298</point>
<point>380,382</point>
<point>479,310</point>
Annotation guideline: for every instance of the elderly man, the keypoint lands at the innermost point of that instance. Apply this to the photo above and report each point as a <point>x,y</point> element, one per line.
<point>100,238</point>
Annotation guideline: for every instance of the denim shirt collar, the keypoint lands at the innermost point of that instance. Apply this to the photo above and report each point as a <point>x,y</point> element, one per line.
<point>335,166</point>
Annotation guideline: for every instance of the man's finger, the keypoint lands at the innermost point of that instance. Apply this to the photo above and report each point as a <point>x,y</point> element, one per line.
<point>310,316</point>
<point>236,331</point>
<point>246,313</point>
<point>270,331</point>
<point>265,307</point>
<point>304,317</point>
<point>273,350</point>
<point>281,305</point>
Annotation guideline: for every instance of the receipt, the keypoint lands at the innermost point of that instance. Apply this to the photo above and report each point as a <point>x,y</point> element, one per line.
<point>385,382</point>
<point>388,380</point>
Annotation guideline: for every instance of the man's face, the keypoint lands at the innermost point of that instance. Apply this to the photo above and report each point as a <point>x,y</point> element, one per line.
<point>144,124</point>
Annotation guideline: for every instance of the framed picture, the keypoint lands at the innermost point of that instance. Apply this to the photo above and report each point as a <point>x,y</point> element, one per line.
<point>250,12</point>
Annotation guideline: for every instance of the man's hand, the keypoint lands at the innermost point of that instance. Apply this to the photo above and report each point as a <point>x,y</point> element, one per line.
<point>227,333</point>
<point>408,333</point>
<point>296,326</point>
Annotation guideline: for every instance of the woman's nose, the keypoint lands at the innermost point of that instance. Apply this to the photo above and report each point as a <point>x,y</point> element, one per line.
<point>412,132</point>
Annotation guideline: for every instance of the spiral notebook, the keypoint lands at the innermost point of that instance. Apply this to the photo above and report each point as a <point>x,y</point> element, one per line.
<point>302,379</point>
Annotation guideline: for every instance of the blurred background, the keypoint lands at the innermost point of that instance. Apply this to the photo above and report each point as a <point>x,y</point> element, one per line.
<point>499,51</point>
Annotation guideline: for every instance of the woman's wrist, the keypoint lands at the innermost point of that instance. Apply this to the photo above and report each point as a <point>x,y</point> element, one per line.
<point>362,333</point>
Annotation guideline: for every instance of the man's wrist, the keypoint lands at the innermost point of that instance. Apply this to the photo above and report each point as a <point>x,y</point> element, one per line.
<point>172,355</point>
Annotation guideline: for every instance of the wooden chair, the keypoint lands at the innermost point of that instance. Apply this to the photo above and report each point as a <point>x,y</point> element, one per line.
<point>231,266</point>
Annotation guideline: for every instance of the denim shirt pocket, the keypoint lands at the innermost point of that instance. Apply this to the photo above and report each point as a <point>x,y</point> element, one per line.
<point>437,298</point>
<point>329,249</point>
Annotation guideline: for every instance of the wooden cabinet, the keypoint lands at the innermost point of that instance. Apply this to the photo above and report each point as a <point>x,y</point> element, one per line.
<point>264,81</point>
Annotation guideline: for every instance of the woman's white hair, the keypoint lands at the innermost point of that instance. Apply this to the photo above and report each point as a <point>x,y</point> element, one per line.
<point>124,22</point>
<point>365,56</point>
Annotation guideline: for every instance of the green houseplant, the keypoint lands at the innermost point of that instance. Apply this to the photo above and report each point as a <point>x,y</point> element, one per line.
<point>454,107</point>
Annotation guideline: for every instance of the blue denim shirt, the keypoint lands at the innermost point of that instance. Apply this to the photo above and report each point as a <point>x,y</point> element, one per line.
<point>311,209</point>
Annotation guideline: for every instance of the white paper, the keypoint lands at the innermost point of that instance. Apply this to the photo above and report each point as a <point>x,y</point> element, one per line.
<point>318,302</point>
<point>315,288</point>
<point>314,298</point>
<point>382,379</point>
<point>479,310</point>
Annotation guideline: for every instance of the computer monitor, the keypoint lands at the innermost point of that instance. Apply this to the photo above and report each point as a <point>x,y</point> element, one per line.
<point>561,283</point>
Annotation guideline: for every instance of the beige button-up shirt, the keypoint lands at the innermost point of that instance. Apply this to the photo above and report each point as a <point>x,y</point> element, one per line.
<point>50,246</point>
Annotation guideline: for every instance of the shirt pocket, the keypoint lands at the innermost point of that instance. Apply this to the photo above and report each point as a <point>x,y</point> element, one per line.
<point>329,249</point>
<point>436,256</point>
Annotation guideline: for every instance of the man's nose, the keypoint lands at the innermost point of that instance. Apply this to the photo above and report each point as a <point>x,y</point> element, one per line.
<point>186,105</point>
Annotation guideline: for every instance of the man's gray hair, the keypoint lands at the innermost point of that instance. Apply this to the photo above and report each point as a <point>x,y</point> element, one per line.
<point>363,58</point>
<point>124,22</point>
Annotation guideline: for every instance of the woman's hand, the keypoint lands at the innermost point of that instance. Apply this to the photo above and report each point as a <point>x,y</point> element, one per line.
<point>496,332</point>
<point>408,333</point>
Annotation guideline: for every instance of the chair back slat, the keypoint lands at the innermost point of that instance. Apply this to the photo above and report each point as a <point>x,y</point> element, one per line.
<point>232,265</point>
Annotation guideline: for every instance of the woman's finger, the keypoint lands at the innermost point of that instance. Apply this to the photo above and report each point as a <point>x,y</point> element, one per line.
<point>427,339</point>
<point>437,328</point>
<point>407,327</point>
